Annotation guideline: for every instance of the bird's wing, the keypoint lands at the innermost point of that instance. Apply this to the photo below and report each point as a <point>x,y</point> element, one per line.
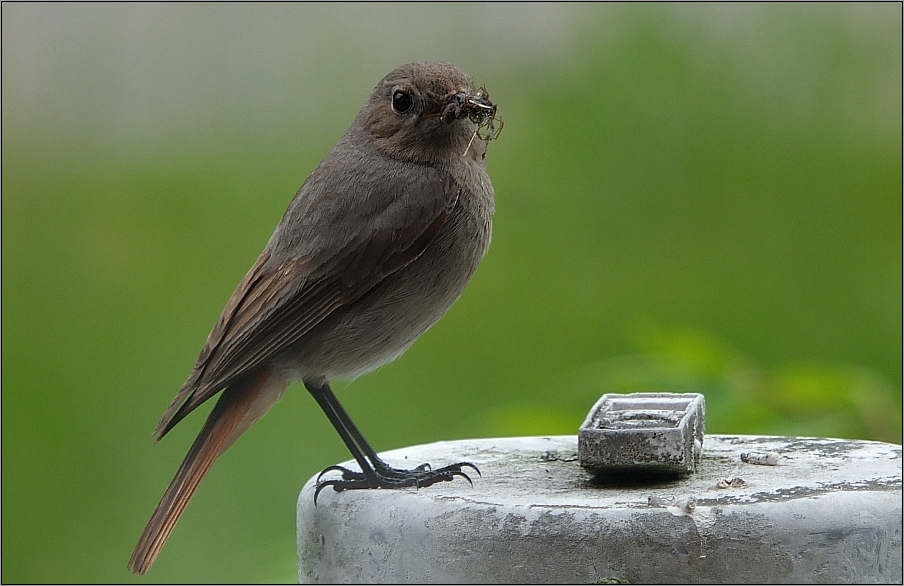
<point>335,258</point>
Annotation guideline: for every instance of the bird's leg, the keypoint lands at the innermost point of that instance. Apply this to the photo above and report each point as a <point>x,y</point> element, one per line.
<point>375,473</point>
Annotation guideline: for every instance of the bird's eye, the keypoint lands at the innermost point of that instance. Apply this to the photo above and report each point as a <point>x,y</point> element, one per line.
<point>401,102</point>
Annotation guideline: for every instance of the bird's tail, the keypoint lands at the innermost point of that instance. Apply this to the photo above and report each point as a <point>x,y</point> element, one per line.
<point>239,406</point>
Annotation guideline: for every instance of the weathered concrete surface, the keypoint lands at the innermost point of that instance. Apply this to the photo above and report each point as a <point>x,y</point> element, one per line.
<point>828,512</point>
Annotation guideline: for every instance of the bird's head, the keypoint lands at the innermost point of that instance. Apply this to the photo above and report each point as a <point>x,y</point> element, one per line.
<point>429,111</point>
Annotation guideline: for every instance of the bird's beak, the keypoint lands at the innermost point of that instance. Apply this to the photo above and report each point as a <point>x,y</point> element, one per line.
<point>475,106</point>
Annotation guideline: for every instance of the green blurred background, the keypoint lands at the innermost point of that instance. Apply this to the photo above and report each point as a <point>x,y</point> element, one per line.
<point>689,197</point>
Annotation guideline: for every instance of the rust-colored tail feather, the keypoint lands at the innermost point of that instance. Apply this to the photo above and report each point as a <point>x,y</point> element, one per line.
<point>237,408</point>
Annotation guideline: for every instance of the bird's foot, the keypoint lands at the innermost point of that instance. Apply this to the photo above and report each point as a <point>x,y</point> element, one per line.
<point>385,476</point>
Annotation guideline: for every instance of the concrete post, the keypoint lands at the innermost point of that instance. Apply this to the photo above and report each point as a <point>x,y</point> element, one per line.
<point>758,510</point>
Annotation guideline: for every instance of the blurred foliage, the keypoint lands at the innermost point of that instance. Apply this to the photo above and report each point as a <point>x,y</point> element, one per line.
<point>689,198</point>
<point>743,397</point>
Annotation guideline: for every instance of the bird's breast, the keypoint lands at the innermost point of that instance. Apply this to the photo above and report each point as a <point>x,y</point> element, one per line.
<point>386,320</point>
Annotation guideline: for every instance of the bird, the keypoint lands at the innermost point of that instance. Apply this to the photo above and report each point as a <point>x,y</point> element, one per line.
<point>378,242</point>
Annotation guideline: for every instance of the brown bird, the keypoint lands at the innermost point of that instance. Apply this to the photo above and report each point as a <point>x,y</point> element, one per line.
<point>377,244</point>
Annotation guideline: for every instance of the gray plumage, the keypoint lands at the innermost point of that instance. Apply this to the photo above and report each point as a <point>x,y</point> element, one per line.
<point>377,244</point>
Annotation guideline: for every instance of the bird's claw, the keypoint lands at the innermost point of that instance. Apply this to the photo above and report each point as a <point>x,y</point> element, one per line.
<point>384,476</point>
<point>346,473</point>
